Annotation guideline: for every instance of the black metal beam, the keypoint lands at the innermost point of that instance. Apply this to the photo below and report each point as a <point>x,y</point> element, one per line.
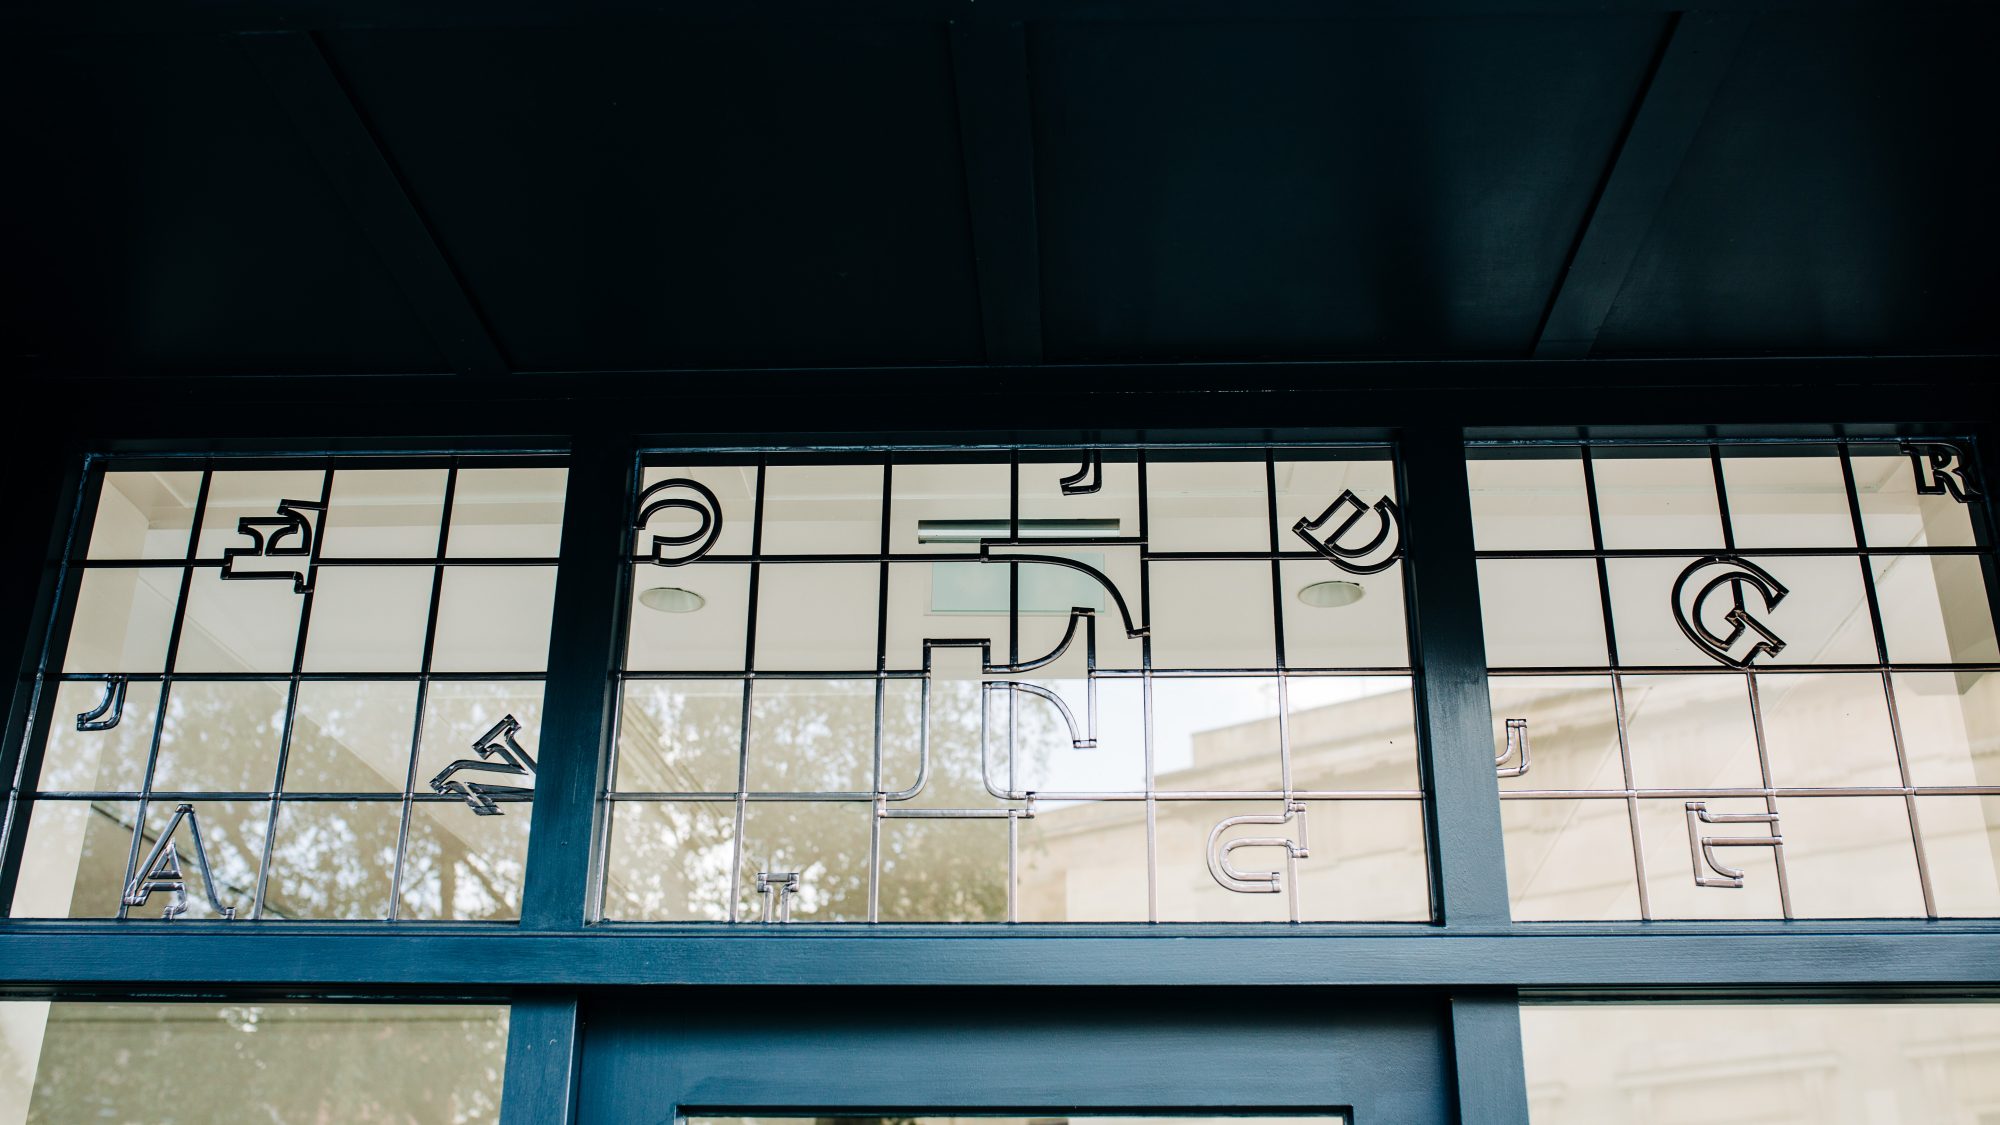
<point>302,80</point>
<point>1663,956</point>
<point>1487,1059</point>
<point>164,16</point>
<point>1672,103</point>
<point>801,406</point>
<point>577,704</point>
<point>1448,642</point>
<point>990,66</point>
<point>543,1041</point>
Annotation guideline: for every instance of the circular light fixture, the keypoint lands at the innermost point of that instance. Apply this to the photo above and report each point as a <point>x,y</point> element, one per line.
<point>1331,595</point>
<point>671,599</point>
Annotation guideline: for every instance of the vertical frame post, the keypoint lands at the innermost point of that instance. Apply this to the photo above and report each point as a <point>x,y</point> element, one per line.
<point>543,1040</point>
<point>1486,1059</point>
<point>577,707</point>
<point>1468,860</point>
<point>1449,650</point>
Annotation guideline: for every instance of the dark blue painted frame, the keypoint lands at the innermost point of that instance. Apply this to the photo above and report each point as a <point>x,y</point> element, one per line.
<point>574,986</point>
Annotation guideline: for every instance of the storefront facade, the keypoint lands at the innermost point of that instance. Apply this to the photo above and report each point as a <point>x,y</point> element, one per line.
<point>1043,737</point>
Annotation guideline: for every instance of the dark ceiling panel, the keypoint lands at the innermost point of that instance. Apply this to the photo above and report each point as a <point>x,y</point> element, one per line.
<point>161,215</point>
<point>1405,187</point>
<point>718,196</point>
<point>1839,198</point>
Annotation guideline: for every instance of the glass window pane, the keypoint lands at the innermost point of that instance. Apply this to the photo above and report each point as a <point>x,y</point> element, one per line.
<point>668,861</point>
<point>1951,726</point>
<point>369,619</point>
<point>1212,615</point>
<point>333,859</point>
<point>1895,514</point>
<point>1850,857</point>
<point>1219,733</point>
<point>1366,630</point>
<point>812,736</point>
<point>681,736</point>
<point>1827,730</point>
<point>1208,506</point>
<point>1656,498</point>
<point>1690,732</point>
<point>464,867</point>
<point>1544,613</point>
<point>928,492</point>
<point>74,862</point>
<point>221,737</point>
<point>1307,488</point>
<point>1795,1062</point>
<point>1529,503</point>
<point>351,737</point>
<point>824,843</point>
<point>507,513</point>
<point>123,620</point>
<point>238,625</point>
<point>1569,860</point>
<point>735,488</point>
<point>822,509</point>
<point>144,515</point>
<point>107,760</point>
<point>1787,496</point>
<point>494,619</point>
<point>420,1064</point>
<point>1962,854</point>
<point>688,618</point>
<point>232,835</point>
<point>384,514</point>
<point>1934,609</point>
<point>238,494</point>
<point>1670,861</point>
<point>1571,729</point>
<point>817,617</point>
<point>1352,733</point>
<point>943,870</point>
<point>1084,861</point>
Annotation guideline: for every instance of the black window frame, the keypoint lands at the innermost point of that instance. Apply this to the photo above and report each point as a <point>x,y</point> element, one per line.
<point>1473,961</point>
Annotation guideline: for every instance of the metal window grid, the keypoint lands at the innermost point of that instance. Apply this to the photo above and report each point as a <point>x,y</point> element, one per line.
<point>1017,804</point>
<point>26,793</point>
<point>1616,670</point>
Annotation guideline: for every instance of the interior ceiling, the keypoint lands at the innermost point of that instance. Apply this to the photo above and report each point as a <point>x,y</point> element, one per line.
<point>284,188</point>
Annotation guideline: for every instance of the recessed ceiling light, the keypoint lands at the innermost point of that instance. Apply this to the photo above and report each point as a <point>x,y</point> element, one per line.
<point>671,599</point>
<point>1331,595</point>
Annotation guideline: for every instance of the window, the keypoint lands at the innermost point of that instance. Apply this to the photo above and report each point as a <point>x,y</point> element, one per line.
<point>285,689</point>
<point>949,688</point>
<point>428,1064</point>
<point>1739,680</point>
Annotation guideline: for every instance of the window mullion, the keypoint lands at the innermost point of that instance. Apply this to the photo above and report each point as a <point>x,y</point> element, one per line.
<point>543,1034</point>
<point>1486,1058</point>
<point>583,640</point>
<point>1468,864</point>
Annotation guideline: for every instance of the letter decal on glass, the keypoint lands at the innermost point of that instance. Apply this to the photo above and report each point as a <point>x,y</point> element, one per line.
<point>1368,557</point>
<point>1941,470</point>
<point>1733,573</point>
<point>1516,749</point>
<point>661,498</point>
<point>161,872</point>
<point>1088,478</point>
<point>291,534</point>
<point>777,888</point>
<point>1255,882</point>
<point>508,759</point>
<point>1711,872</point>
<point>107,713</point>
